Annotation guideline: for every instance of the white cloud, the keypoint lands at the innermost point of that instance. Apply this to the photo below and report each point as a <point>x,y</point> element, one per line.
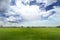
<point>30,13</point>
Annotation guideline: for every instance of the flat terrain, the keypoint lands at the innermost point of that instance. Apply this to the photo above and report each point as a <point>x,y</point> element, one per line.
<point>29,33</point>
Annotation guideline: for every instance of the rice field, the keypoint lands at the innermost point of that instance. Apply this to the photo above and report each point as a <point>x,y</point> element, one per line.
<point>29,33</point>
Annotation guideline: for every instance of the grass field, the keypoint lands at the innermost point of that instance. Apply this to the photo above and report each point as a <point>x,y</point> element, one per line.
<point>29,33</point>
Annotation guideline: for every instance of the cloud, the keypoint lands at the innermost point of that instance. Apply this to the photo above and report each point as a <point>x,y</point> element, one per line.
<point>27,12</point>
<point>30,12</point>
<point>19,12</point>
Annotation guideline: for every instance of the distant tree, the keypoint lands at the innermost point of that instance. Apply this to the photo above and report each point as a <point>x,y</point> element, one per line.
<point>1,25</point>
<point>58,26</point>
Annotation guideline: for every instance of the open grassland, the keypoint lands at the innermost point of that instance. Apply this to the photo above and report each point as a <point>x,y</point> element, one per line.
<point>29,33</point>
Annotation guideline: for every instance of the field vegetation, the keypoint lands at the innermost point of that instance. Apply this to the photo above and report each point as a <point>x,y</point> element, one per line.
<point>29,33</point>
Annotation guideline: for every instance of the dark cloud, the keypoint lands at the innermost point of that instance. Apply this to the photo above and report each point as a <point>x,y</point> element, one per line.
<point>49,7</point>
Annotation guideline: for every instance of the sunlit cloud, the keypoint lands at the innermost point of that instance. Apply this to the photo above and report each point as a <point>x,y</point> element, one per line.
<point>17,11</point>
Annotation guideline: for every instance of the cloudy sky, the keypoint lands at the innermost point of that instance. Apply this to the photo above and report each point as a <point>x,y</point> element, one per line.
<point>30,12</point>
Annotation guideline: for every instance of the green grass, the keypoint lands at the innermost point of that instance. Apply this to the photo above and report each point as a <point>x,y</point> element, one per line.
<point>29,33</point>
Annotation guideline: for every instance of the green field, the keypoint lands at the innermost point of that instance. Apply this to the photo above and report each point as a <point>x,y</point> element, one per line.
<point>29,33</point>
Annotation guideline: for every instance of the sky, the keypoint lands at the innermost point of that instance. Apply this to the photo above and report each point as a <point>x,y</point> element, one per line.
<point>30,12</point>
